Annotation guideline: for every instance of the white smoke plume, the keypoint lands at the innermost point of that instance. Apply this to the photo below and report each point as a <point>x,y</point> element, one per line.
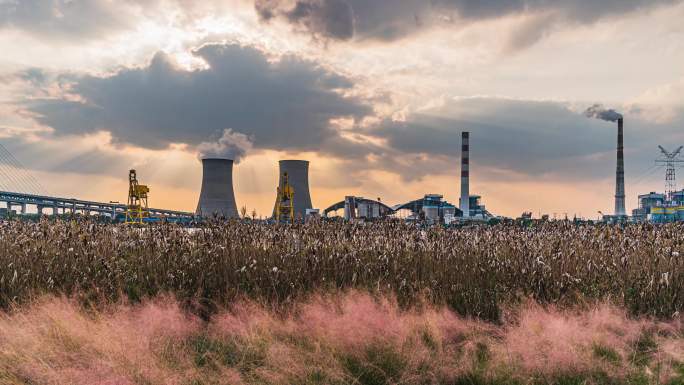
<point>599,112</point>
<point>231,145</point>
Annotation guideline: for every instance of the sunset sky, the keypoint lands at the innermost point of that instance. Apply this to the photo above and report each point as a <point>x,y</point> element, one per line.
<point>374,93</point>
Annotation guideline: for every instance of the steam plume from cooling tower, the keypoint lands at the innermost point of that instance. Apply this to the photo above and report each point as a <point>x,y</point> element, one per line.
<point>231,145</point>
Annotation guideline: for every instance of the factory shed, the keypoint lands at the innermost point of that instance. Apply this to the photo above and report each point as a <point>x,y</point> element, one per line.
<point>359,207</point>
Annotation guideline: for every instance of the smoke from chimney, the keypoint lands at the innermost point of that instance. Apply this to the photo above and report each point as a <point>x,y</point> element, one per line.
<point>599,112</point>
<point>231,145</point>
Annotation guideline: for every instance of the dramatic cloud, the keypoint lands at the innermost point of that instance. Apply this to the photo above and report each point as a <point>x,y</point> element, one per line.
<point>393,19</point>
<point>283,104</point>
<point>76,19</point>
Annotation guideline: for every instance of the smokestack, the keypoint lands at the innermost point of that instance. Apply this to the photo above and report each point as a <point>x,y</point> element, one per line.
<point>217,197</point>
<point>620,173</point>
<point>298,177</point>
<point>599,112</point>
<point>465,174</point>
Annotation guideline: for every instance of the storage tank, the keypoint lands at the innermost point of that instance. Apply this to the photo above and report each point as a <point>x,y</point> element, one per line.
<point>217,198</point>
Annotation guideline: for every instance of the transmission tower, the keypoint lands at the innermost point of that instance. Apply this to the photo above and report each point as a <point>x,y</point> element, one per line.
<point>669,159</point>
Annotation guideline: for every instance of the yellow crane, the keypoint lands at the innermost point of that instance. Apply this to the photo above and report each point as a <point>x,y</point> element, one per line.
<point>137,200</point>
<point>285,202</point>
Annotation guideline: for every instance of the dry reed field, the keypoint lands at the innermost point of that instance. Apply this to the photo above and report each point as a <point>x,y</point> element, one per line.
<point>336,303</point>
<point>473,271</point>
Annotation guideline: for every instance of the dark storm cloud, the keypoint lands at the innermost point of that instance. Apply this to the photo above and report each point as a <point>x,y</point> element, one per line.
<point>393,19</point>
<point>285,104</point>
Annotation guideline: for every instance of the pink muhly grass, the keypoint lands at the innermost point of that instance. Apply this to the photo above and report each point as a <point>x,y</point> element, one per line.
<point>54,341</point>
<point>354,319</point>
<point>548,340</point>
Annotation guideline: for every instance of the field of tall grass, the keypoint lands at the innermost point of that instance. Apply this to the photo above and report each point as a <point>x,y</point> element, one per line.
<point>335,303</point>
<point>353,339</point>
<point>473,271</point>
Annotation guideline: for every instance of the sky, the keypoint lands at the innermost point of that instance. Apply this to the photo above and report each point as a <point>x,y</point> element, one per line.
<point>374,93</point>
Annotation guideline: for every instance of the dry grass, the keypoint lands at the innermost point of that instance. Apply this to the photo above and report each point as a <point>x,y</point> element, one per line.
<point>474,271</point>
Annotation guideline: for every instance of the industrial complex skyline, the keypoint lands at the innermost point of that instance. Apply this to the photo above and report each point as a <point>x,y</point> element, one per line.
<point>373,93</point>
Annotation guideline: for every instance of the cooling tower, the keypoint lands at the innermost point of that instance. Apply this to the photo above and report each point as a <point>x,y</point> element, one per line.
<point>465,174</point>
<point>620,173</point>
<point>298,177</point>
<point>217,197</point>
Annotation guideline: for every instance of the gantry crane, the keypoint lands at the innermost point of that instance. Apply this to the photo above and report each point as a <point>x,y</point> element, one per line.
<point>284,212</point>
<point>137,200</point>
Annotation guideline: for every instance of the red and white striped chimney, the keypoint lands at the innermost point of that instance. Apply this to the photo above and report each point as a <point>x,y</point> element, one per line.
<point>620,173</point>
<point>465,174</point>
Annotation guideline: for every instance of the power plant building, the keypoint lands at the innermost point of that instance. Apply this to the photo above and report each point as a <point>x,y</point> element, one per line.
<point>432,208</point>
<point>477,209</point>
<point>360,208</point>
<point>298,178</point>
<point>655,207</point>
<point>217,198</point>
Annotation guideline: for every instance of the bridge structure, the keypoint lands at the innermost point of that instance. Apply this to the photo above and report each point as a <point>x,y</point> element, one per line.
<point>56,206</point>
<point>21,191</point>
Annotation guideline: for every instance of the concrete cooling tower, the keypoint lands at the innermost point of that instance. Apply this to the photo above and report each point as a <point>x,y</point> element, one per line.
<point>217,197</point>
<point>298,177</point>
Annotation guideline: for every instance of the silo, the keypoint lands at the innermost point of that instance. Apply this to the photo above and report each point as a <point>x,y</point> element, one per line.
<point>217,197</point>
<point>298,177</point>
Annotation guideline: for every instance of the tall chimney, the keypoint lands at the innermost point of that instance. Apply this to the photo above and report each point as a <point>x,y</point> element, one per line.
<point>465,174</point>
<point>298,177</point>
<point>217,197</point>
<point>620,173</point>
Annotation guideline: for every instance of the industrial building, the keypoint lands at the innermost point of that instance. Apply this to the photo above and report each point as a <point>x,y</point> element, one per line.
<point>217,198</point>
<point>360,208</point>
<point>297,174</point>
<point>660,208</point>
<point>431,208</point>
<point>477,210</point>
